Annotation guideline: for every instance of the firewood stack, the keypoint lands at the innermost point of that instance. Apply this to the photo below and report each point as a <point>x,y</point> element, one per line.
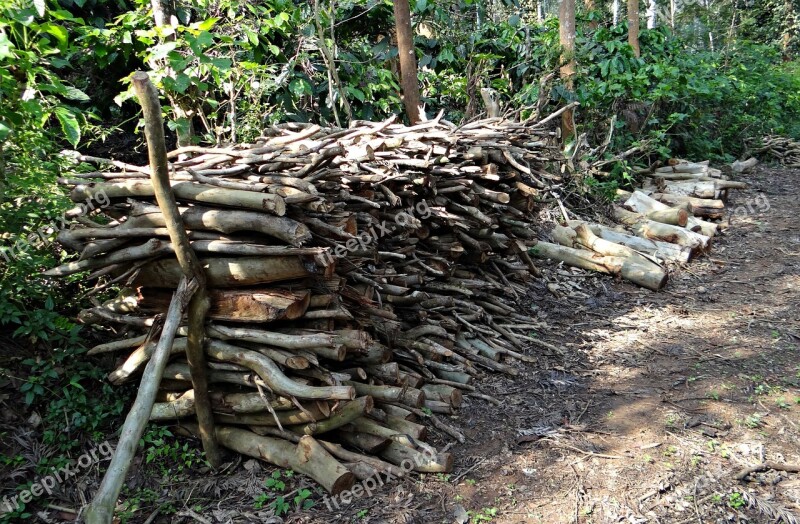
<point>360,280</point>
<point>783,149</point>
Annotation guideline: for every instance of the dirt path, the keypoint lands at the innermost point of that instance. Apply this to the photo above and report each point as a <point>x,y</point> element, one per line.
<point>657,403</point>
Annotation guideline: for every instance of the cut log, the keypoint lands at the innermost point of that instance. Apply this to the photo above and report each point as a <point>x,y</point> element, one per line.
<point>641,203</point>
<point>744,166</point>
<point>228,272</point>
<point>700,207</point>
<point>683,167</point>
<point>416,460</point>
<point>649,276</point>
<point>223,220</point>
<point>189,191</point>
<point>306,457</point>
<point>664,232</point>
<point>702,189</point>
<point>655,210</point>
<point>239,305</point>
<point>273,376</point>
<point>661,250</point>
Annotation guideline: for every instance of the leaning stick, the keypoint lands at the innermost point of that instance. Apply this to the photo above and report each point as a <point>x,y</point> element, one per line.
<point>190,265</point>
<point>101,509</point>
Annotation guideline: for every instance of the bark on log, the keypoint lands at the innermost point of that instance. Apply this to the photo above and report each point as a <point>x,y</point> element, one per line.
<point>228,272</point>
<point>223,220</point>
<point>306,457</point>
<point>661,250</point>
<point>657,231</point>
<point>649,276</point>
<point>273,376</point>
<point>420,461</point>
<point>700,207</point>
<point>240,305</point>
<point>189,191</point>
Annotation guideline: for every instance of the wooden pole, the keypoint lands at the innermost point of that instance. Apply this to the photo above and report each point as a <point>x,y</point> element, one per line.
<point>101,510</point>
<point>190,265</point>
<point>408,59</point>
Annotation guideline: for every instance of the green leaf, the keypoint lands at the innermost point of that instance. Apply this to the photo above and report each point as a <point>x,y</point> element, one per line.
<point>69,124</point>
<point>59,32</point>
<point>357,93</point>
<point>204,39</point>
<point>40,6</point>
<point>205,25</point>
<point>4,131</point>
<point>73,93</point>
<point>421,5</point>
<point>223,64</point>
<point>161,51</point>
<point>182,82</point>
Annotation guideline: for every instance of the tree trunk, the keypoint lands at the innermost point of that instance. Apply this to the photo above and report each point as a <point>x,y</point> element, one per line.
<point>615,11</point>
<point>408,60</point>
<point>652,14</point>
<point>633,26</point>
<point>590,9</point>
<point>789,30</point>
<point>566,32</point>
<point>673,11</point>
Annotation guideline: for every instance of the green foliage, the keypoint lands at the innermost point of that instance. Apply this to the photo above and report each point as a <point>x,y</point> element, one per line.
<point>164,451</point>
<point>275,497</point>
<point>736,500</point>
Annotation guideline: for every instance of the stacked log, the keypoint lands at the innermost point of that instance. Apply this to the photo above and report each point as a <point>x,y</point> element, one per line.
<point>667,221</point>
<point>782,149</point>
<point>359,281</point>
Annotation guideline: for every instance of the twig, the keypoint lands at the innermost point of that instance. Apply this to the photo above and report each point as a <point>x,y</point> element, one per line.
<point>764,466</point>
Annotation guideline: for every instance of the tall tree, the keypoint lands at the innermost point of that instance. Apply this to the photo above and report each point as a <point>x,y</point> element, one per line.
<point>590,8</point>
<point>789,29</point>
<point>615,11</point>
<point>652,14</point>
<point>566,32</point>
<point>164,15</point>
<point>633,26</point>
<point>408,59</point>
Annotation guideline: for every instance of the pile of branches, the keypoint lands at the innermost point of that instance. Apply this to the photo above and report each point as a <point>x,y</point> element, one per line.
<point>359,280</point>
<point>781,148</point>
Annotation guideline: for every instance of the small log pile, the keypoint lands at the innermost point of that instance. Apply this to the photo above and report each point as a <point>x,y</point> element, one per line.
<point>359,281</point>
<point>783,149</point>
<point>667,221</point>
